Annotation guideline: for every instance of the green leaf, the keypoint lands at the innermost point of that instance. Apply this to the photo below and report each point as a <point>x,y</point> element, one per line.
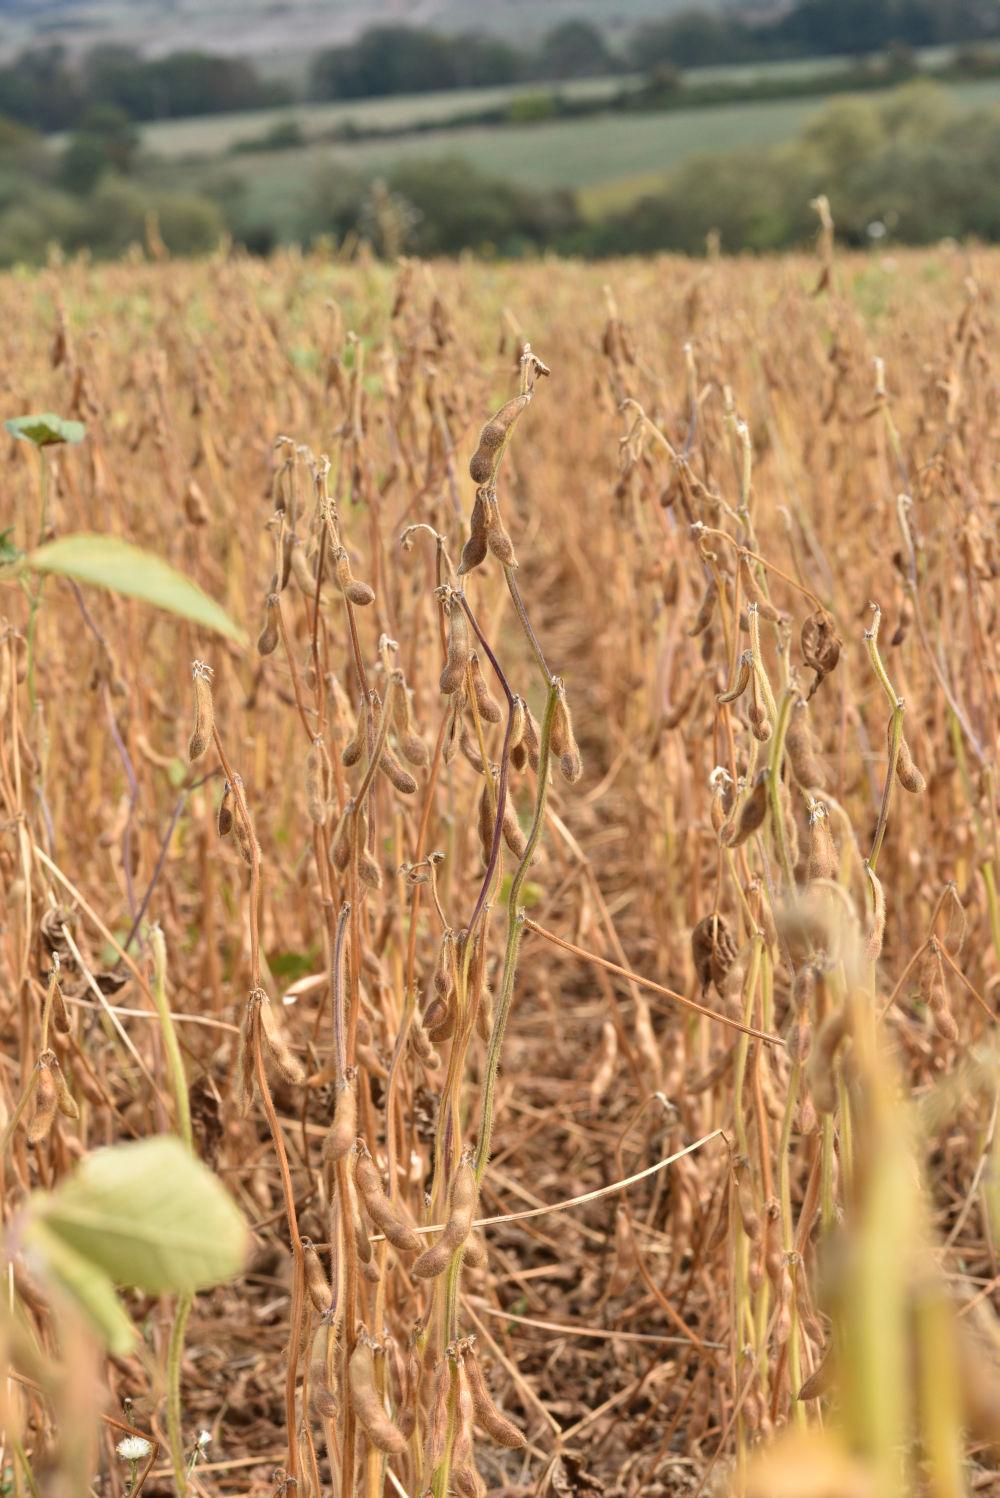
<point>85,1283</point>
<point>46,429</point>
<point>531,893</point>
<point>112,563</point>
<point>8,551</point>
<point>148,1214</point>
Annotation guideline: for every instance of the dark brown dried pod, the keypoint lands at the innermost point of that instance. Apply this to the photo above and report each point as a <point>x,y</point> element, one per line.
<point>60,1017</point>
<point>713,950</point>
<point>411,745</point>
<point>471,750</point>
<point>517,723</point>
<point>340,846</point>
<point>394,771</point>
<point>485,459</point>
<point>706,609</point>
<point>486,820</point>
<point>245,839</point>
<point>801,751</point>
<point>474,550</point>
<point>531,741</point>
<point>355,746</point>
<point>481,466</point>
<point>512,834</point>
<point>453,673</point>
<point>750,816</point>
<point>224,818</point>
<point>267,640</point>
<point>64,1098</point>
<point>489,709</point>
<point>497,537</point>
<point>820,645</point>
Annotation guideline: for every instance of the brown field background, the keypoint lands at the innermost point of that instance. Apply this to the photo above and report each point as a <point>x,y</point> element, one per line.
<point>652,1341</point>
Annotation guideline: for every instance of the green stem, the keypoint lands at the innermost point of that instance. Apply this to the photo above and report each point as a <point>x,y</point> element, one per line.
<point>515,927</point>
<point>36,597</point>
<point>175,1429</point>
<point>178,1084</point>
<point>175,1063</point>
<point>774,787</point>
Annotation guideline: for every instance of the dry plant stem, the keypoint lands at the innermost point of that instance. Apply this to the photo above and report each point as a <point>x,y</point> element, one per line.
<point>667,993</point>
<point>744,551</point>
<point>896,730</point>
<point>295,1317</point>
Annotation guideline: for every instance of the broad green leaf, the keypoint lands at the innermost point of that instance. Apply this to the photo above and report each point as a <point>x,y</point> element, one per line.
<point>45,429</point>
<point>85,1283</point>
<point>150,1215</point>
<point>112,563</point>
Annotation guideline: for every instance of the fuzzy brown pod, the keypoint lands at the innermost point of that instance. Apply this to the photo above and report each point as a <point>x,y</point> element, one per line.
<point>907,773</point>
<point>501,1430</point>
<point>318,781</point>
<point>527,750</point>
<point>563,740</point>
<point>498,539</point>
<point>317,1284</point>
<point>224,817</point>
<point>488,708</point>
<point>396,773</point>
<point>411,745</point>
<point>474,550</point>
<point>458,648</point>
<point>368,1407</point>
<point>342,1132</point>
<point>750,816</point>
<point>820,644</point>
<point>823,861</point>
<point>713,950</point>
<point>46,1099</point>
<point>485,460</point>
<point>383,1213</point>
<point>267,640</point>
<point>801,750</point>
<point>462,1203</point>
<point>204,711</point>
<point>287,1063</point>
<point>358,593</point>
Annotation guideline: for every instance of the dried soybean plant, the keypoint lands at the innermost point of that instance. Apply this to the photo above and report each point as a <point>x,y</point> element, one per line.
<point>398,1222</point>
<point>735,925</point>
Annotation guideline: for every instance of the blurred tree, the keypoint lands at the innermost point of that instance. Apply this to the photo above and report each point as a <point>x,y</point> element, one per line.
<point>574,50</point>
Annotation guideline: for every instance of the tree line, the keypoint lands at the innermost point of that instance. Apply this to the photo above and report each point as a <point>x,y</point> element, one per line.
<point>907,167</point>
<point>50,90</point>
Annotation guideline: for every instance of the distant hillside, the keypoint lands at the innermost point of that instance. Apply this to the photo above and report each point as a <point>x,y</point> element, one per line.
<point>279,33</point>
